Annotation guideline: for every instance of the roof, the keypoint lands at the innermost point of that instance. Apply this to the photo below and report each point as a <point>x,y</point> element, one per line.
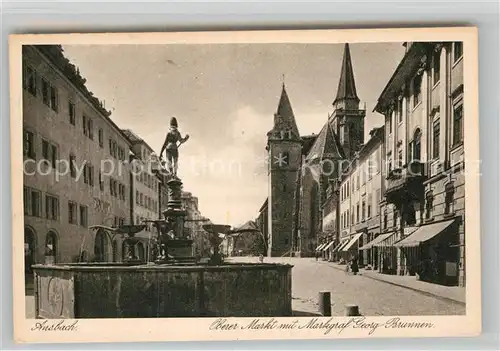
<point>284,118</point>
<point>54,53</point>
<point>406,68</point>
<point>264,205</point>
<point>346,89</point>
<point>326,146</point>
<point>308,142</point>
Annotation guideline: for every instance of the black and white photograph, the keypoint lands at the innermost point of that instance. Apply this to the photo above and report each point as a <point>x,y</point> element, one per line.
<point>259,180</point>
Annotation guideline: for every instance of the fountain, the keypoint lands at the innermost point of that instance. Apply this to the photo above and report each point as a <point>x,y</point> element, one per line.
<point>173,285</point>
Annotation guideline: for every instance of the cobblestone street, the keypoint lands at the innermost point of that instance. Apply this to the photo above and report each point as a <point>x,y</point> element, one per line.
<point>374,298</point>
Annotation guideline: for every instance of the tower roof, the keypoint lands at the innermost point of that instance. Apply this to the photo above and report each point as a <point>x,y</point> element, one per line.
<point>347,88</point>
<point>326,146</point>
<point>284,119</point>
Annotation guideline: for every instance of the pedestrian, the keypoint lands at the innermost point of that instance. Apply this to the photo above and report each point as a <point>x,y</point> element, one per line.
<point>316,254</point>
<point>261,258</point>
<point>354,266</point>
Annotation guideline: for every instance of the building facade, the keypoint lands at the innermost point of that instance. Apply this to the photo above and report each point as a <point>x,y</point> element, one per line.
<point>75,169</point>
<point>424,187</point>
<point>193,225</point>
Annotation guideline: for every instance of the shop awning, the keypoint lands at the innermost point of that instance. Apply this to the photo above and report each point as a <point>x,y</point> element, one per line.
<point>423,234</point>
<point>330,244</point>
<point>352,242</point>
<point>339,246</point>
<point>320,247</point>
<point>376,241</point>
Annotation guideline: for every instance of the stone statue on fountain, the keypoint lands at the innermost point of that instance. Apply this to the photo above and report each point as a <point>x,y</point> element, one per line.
<point>171,145</point>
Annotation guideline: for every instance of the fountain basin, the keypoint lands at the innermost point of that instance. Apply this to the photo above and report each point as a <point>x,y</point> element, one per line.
<point>145,291</point>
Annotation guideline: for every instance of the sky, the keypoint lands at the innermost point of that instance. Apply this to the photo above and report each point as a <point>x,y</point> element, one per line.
<point>225,96</point>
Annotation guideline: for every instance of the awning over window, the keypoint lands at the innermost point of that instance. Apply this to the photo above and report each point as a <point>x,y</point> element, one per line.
<point>339,246</point>
<point>352,242</point>
<point>423,234</point>
<point>376,241</point>
<point>330,244</point>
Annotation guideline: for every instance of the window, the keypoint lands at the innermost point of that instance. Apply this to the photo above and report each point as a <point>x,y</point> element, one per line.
<point>347,217</point>
<point>399,110</point>
<point>417,82</point>
<point>416,145</point>
<point>435,139</point>
<point>72,163</point>
<point>369,207</point>
<point>121,221</point>
<point>49,153</point>
<point>71,113</point>
<point>357,181</point>
<point>32,202</point>
<point>137,197</point>
<point>357,213</point>
<point>45,92</point>
<point>91,175</point>
<point>457,50</point>
<point>385,219</point>
<point>51,207</point>
<point>84,125</point>
<point>347,188</point>
<point>29,144</point>
<point>90,128</point>
<point>363,209</point>
<point>54,98</point>
<point>101,137</point>
<point>141,199</point>
<point>429,199</point>
<point>377,201</point>
<point>448,199</point>
<point>72,212</point>
<point>101,181</point>
<point>458,127</point>
<point>30,79</point>
<point>436,67</point>
<point>83,216</point>
<point>86,173</point>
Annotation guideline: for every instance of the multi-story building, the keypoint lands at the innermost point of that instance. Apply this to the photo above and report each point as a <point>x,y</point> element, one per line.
<point>424,189</point>
<point>193,225</point>
<point>75,169</point>
<point>144,193</point>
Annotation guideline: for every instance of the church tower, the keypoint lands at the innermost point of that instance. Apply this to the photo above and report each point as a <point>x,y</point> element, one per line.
<point>347,118</point>
<point>284,152</point>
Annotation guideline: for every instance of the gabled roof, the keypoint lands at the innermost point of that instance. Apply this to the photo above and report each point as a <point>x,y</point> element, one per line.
<point>347,88</point>
<point>326,146</point>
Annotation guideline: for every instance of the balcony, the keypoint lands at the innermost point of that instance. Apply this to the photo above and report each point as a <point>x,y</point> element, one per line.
<point>406,183</point>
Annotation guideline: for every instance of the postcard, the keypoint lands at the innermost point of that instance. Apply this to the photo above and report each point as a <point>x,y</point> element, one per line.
<point>285,184</point>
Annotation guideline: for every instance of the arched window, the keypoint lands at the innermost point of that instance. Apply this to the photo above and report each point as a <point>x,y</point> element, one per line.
<point>51,248</point>
<point>29,249</point>
<point>417,144</point>
<point>100,246</point>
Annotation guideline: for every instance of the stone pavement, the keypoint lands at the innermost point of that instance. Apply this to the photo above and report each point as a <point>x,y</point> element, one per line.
<point>453,293</point>
<point>373,296</point>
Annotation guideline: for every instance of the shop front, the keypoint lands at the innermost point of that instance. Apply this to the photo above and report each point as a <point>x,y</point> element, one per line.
<point>432,252</point>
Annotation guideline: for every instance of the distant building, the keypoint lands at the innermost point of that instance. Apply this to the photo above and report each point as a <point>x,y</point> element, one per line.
<point>145,192</point>
<point>301,167</point>
<point>82,177</point>
<point>193,225</point>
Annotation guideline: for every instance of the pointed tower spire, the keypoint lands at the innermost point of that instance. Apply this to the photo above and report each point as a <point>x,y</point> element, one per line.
<point>346,90</point>
<point>284,119</point>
